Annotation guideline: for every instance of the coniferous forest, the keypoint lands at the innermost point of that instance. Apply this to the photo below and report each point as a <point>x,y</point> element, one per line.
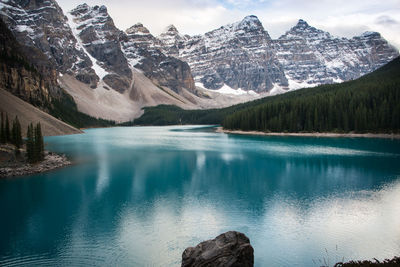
<point>34,141</point>
<point>368,104</point>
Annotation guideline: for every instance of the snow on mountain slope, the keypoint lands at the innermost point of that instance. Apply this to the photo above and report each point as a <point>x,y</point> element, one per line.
<point>125,71</point>
<point>239,55</point>
<point>142,51</point>
<point>310,56</point>
<point>242,55</point>
<point>96,33</point>
<point>42,25</point>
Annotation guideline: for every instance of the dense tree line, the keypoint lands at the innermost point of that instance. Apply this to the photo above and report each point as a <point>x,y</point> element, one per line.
<point>369,104</point>
<point>34,144</point>
<point>10,134</point>
<point>173,115</point>
<point>34,140</point>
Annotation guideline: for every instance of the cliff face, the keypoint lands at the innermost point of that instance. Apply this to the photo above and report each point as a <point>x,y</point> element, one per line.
<point>310,56</point>
<point>42,29</point>
<point>31,83</point>
<point>242,55</point>
<point>239,55</point>
<point>96,33</point>
<point>141,49</point>
<point>85,44</point>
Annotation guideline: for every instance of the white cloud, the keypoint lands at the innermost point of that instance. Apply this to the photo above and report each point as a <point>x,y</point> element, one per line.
<point>341,17</point>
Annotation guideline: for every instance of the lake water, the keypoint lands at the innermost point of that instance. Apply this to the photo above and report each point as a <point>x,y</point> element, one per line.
<point>140,196</point>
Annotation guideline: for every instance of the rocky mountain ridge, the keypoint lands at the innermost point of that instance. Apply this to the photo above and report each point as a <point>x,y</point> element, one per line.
<point>311,56</point>
<point>238,55</point>
<point>243,55</point>
<point>126,70</point>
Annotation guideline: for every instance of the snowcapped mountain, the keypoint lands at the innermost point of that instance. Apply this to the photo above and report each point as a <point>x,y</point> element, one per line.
<point>43,26</point>
<point>97,35</point>
<point>242,55</point>
<point>311,56</point>
<point>113,74</point>
<point>141,49</point>
<point>92,60</point>
<point>86,44</point>
<point>238,55</point>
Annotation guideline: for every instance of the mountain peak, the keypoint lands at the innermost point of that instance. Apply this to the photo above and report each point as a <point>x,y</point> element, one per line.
<point>302,22</point>
<point>371,34</point>
<point>301,25</point>
<point>102,9</point>
<point>81,7</point>
<point>171,29</point>
<point>137,28</point>
<point>303,30</point>
<point>85,8</point>
<point>251,18</point>
<point>250,22</point>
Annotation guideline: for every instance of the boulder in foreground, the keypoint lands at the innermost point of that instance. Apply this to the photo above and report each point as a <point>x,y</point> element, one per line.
<point>228,249</point>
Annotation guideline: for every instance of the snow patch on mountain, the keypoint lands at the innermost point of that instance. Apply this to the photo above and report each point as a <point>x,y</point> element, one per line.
<point>227,90</point>
<point>99,70</point>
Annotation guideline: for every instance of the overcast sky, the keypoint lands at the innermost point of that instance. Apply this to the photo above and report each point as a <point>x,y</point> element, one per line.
<point>345,18</point>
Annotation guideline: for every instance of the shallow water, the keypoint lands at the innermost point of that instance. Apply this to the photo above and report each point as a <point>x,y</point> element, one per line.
<point>140,196</point>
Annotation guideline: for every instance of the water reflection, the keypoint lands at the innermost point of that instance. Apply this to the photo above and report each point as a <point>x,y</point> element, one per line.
<point>143,203</point>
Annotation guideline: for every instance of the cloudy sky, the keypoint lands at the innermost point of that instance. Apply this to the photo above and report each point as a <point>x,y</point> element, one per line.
<point>340,17</point>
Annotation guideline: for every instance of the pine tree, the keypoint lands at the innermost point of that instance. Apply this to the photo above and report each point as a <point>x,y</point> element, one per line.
<point>39,143</point>
<point>7,130</point>
<point>16,133</point>
<point>30,144</point>
<point>13,133</point>
<point>2,133</point>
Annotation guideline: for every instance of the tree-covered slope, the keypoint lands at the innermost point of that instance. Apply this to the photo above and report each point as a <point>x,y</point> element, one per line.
<point>370,103</point>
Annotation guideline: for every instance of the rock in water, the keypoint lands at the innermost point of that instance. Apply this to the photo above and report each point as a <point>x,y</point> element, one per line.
<point>228,249</point>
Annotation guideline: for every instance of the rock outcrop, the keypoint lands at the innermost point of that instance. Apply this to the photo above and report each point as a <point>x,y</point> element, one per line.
<point>95,31</point>
<point>141,49</point>
<point>228,249</point>
<point>42,29</point>
<point>35,83</point>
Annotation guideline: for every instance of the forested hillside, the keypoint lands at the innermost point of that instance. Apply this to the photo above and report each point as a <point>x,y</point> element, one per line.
<point>370,103</point>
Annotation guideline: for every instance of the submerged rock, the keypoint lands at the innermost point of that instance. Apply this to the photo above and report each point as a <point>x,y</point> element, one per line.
<point>228,249</point>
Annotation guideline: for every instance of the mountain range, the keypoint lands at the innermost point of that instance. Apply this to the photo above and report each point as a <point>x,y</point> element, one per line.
<point>113,74</point>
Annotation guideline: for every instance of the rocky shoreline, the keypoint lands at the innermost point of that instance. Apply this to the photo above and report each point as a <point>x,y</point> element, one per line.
<point>11,165</point>
<point>354,135</point>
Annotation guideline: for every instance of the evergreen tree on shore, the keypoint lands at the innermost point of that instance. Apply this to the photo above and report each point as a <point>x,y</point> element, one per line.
<point>39,143</point>
<point>34,144</point>
<point>16,134</point>
<point>2,131</point>
<point>7,135</point>
<point>30,144</point>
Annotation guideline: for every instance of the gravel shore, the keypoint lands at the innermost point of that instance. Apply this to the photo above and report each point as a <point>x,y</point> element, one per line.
<point>366,135</point>
<point>14,167</point>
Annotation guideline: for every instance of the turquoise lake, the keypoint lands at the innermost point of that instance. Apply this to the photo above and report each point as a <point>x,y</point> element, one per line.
<point>138,196</point>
